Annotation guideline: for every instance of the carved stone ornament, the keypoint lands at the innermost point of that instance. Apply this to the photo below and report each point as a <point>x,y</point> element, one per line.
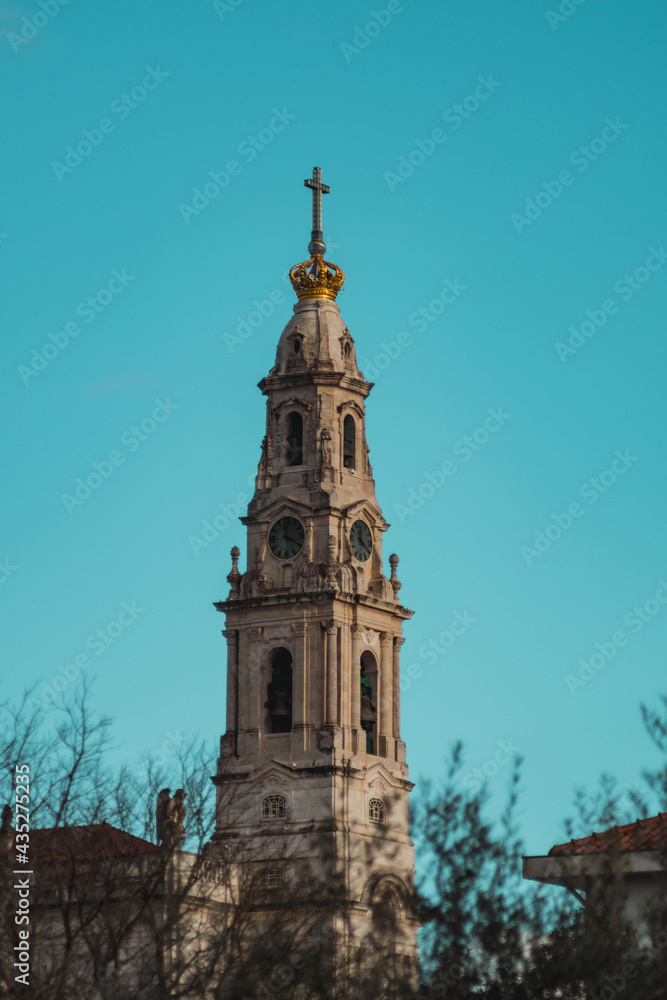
<point>292,401</point>
<point>273,778</point>
<point>325,440</point>
<point>351,405</point>
<point>369,637</point>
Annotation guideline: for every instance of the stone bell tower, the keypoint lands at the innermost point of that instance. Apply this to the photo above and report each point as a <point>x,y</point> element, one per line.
<point>312,752</point>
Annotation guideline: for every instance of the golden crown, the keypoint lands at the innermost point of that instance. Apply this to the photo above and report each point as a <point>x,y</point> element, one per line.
<point>316,277</point>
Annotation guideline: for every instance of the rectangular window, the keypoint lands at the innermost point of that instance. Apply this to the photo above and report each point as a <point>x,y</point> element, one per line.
<point>271,877</point>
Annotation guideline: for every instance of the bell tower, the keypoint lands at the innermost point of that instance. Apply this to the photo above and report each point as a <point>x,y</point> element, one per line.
<point>312,751</point>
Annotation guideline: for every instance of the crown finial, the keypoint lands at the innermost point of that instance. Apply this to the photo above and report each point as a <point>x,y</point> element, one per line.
<point>316,277</point>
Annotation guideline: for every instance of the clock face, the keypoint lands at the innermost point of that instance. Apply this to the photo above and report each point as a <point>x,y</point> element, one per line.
<point>286,537</point>
<point>362,540</point>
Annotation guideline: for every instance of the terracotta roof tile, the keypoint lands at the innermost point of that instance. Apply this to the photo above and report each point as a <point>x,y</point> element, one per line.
<point>94,841</point>
<point>642,835</point>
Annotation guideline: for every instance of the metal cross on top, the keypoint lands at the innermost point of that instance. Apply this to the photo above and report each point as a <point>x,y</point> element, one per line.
<point>317,244</point>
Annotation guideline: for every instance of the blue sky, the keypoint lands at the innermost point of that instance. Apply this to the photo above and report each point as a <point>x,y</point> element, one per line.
<point>497,181</point>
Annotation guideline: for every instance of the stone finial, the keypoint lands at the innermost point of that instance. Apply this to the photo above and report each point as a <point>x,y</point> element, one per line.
<point>332,545</point>
<point>394,581</point>
<point>234,576</point>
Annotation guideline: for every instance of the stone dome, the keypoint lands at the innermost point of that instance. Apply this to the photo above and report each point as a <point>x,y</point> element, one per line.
<point>316,338</point>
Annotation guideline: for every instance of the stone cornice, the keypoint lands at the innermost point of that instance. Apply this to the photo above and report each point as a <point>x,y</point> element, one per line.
<point>342,770</point>
<point>316,597</point>
<point>315,377</point>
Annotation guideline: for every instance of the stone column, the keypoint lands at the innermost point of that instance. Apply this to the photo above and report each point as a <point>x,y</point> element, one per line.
<point>299,693</point>
<point>232,637</point>
<point>355,687</point>
<point>332,673</point>
<point>398,642</point>
<point>344,657</point>
<point>249,686</point>
<point>385,695</point>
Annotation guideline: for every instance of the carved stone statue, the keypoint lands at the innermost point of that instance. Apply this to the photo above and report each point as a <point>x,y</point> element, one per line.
<point>161,809</point>
<point>176,819</point>
<point>325,440</point>
<point>368,709</point>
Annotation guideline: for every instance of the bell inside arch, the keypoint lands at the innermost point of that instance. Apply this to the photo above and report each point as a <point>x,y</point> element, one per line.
<point>279,692</point>
<point>368,713</point>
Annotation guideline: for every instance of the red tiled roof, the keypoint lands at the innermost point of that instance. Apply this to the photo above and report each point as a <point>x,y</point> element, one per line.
<point>642,835</point>
<point>94,841</point>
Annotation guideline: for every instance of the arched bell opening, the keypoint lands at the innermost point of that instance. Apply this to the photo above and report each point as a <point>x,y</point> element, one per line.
<point>368,685</point>
<point>349,442</point>
<point>279,692</point>
<point>384,916</point>
<point>294,439</point>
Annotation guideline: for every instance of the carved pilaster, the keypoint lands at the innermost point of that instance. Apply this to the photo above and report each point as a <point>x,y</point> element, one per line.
<point>331,629</point>
<point>355,685</point>
<point>252,695</point>
<point>332,545</point>
<point>299,691</point>
<point>398,642</point>
<point>385,695</point>
<point>232,638</point>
